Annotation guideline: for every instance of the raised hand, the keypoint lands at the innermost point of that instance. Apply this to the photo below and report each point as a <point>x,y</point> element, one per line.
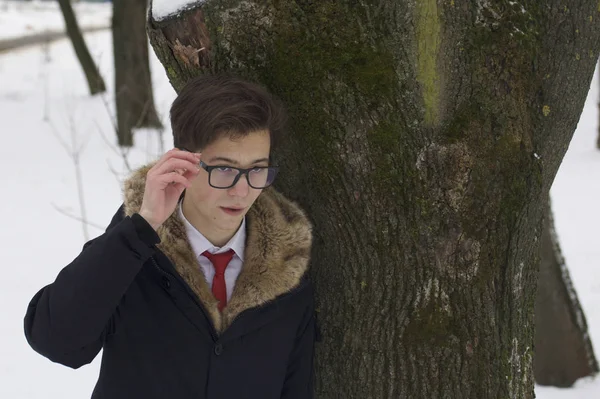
<point>165,182</point>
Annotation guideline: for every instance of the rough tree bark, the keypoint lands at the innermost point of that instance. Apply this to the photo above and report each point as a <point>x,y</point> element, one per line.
<point>424,137</point>
<point>563,349</point>
<point>133,83</point>
<point>92,74</point>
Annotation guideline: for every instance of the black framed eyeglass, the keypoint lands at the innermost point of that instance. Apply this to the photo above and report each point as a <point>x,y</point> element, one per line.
<point>223,176</point>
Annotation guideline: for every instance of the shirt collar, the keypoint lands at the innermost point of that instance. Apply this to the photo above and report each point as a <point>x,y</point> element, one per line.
<point>199,243</point>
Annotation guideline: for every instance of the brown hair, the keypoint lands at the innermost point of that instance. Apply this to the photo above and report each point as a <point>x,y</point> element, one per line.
<point>211,106</point>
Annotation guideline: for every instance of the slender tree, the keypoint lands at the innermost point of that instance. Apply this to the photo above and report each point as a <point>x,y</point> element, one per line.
<point>425,136</point>
<point>133,83</point>
<point>563,348</point>
<point>92,74</point>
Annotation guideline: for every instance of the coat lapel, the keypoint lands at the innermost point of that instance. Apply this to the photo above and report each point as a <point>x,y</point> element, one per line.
<point>278,241</point>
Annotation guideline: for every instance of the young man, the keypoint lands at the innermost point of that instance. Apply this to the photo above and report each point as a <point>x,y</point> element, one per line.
<point>198,287</point>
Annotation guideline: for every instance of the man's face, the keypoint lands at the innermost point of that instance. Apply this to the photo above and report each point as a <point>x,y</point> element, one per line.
<point>220,211</point>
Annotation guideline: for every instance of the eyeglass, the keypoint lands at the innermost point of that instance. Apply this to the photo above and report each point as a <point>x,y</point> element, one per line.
<point>221,176</point>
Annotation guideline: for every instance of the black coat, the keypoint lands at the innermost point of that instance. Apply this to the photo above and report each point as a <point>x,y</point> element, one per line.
<point>148,306</point>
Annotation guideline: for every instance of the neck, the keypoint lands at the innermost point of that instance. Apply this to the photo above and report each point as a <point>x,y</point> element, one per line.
<point>217,237</point>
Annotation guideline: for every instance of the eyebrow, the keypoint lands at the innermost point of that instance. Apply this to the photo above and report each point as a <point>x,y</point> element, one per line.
<point>234,162</point>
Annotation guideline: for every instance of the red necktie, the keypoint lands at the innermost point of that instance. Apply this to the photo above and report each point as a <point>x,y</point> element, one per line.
<point>220,262</point>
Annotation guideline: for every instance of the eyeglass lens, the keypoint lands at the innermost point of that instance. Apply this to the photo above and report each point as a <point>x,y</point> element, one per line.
<point>257,178</point>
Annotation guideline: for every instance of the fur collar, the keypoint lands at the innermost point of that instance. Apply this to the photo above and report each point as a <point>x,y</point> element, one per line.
<point>278,241</point>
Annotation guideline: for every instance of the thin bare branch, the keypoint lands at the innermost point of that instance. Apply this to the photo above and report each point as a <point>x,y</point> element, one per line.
<point>78,175</point>
<point>123,152</point>
<point>79,219</point>
<point>106,140</point>
<point>113,119</point>
<point>59,138</point>
<point>115,173</point>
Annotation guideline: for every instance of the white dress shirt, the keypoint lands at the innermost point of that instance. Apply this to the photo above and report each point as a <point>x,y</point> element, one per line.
<point>199,244</point>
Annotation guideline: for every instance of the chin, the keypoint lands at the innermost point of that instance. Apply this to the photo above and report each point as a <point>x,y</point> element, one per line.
<point>230,218</point>
<point>231,225</point>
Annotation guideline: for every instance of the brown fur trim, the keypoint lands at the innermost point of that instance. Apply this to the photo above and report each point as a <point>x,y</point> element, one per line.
<point>278,241</point>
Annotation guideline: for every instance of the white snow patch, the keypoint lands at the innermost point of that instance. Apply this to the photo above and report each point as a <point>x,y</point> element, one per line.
<point>43,95</point>
<point>162,9</point>
<point>26,18</point>
<point>514,3</point>
<point>518,280</point>
<point>484,12</point>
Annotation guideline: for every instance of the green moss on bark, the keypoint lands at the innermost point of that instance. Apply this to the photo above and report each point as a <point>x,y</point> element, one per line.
<point>171,73</point>
<point>386,140</point>
<point>307,60</point>
<point>428,43</point>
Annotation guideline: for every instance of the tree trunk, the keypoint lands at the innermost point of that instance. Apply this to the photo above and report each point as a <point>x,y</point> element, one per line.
<point>424,137</point>
<point>133,84</point>
<point>563,349</point>
<point>92,74</point>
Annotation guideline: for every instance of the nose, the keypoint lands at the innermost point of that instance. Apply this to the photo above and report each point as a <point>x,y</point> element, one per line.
<point>241,188</point>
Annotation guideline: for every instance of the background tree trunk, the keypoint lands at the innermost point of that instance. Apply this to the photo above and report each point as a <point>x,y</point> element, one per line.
<point>424,139</point>
<point>133,84</point>
<point>563,349</point>
<point>92,74</point>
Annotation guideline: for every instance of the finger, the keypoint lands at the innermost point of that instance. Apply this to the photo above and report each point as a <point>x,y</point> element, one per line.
<point>174,178</point>
<point>193,157</point>
<point>190,174</point>
<point>176,164</point>
<point>180,154</point>
<point>167,155</point>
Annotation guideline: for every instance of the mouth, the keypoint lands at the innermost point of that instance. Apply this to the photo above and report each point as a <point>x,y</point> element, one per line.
<point>233,211</point>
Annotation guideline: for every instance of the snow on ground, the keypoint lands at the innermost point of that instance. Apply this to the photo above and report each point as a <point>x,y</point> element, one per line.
<point>575,196</point>
<point>23,18</point>
<point>39,176</point>
<point>44,101</point>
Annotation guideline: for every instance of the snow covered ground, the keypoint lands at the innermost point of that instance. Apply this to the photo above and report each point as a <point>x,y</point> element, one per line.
<point>22,18</point>
<point>44,102</point>
<point>575,196</point>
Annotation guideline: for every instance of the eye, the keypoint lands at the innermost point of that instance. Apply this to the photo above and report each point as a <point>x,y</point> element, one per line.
<point>224,169</point>
<point>257,170</point>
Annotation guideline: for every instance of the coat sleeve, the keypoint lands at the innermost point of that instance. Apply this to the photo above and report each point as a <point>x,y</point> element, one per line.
<point>299,382</point>
<point>66,321</point>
